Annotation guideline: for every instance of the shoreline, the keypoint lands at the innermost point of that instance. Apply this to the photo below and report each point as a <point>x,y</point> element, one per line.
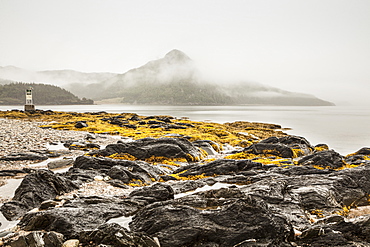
<point>22,136</point>
<point>343,128</point>
<point>250,175</point>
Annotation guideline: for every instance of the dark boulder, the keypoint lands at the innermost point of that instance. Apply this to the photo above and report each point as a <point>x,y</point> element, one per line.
<point>34,189</point>
<point>119,169</point>
<point>147,148</point>
<point>220,167</point>
<point>299,145</point>
<point>116,235</point>
<point>80,214</point>
<point>120,173</point>
<point>243,219</point>
<point>324,159</point>
<point>270,149</point>
<point>79,176</point>
<point>288,140</point>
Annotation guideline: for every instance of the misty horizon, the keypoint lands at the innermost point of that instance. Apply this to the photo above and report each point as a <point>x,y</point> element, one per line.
<point>315,47</point>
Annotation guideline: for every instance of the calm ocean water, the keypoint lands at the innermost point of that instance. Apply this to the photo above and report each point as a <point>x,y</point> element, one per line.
<point>344,128</point>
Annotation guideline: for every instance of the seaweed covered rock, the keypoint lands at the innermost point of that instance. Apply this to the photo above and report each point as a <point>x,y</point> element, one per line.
<point>116,235</point>
<point>219,167</point>
<point>150,147</point>
<point>35,188</point>
<point>277,149</point>
<point>241,220</point>
<point>286,147</point>
<point>325,159</point>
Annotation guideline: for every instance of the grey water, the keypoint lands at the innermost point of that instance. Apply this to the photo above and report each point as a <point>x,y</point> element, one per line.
<point>345,129</point>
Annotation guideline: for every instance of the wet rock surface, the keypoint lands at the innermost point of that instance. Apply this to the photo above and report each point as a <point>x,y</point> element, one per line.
<point>34,189</point>
<point>149,147</point>
<point>284,192</point>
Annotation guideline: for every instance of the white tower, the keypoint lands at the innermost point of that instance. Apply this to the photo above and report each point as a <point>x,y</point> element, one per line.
<point>29,106</point>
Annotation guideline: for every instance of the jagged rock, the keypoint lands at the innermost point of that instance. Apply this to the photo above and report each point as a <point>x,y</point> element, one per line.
<point>189,185</point>
<point>289,140</point>
<point>79,176</point>
<point>363,151</point>
<point>116,235</point>
<point>118,169</point>
<point>286,147</point>
<point>337,233</point>
<point>38,238</point>
<point>240,220</point>
<point>271,149</point>
<point>219,167</point>
<point>156,192</point>
<point>146,148</point>
<point>34,189</point>
<point>120,173</point>
<point>79,215</point>
<point>325,159</point>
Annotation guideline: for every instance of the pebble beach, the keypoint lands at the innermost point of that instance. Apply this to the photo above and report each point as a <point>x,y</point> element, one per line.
<point>21,136</point>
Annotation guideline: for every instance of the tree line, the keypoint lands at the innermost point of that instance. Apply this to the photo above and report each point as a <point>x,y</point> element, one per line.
<point>43,94</point>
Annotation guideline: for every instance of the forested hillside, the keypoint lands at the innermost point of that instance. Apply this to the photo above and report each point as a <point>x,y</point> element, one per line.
<point>43,94</point>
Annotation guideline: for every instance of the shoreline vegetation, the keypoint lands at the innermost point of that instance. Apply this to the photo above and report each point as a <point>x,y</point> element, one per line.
<point>43,94</point>
<point>163,181</point>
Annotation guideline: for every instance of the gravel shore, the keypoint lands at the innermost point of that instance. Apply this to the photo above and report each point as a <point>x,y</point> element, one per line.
<point>21,136</point>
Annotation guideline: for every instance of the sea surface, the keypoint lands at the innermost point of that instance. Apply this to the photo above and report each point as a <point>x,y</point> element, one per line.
<point>345,129</point>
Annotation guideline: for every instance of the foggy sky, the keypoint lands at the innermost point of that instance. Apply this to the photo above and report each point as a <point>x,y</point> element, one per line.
<point>321,47</point>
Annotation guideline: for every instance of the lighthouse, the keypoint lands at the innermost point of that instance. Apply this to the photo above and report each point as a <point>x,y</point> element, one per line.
<point>29,106</point>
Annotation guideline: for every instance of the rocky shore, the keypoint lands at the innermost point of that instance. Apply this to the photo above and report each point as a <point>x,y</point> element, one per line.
<point>20,136</point>
<point>175,182</point>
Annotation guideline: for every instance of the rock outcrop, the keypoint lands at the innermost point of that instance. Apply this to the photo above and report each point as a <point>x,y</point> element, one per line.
<point>35,188</point>
<point>150,147</point>
<point>281,191</point>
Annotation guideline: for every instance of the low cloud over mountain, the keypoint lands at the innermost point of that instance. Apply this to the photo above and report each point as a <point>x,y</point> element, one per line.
<point>173,80</point>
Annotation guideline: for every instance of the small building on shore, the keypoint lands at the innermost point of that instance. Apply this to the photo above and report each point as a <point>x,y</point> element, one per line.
<point>29,106</point>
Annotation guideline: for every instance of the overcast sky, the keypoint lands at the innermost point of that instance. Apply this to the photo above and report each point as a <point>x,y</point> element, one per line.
<point>321,47</point>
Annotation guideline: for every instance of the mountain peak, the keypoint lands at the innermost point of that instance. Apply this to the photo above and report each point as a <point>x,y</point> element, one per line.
<point>177,55</point>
